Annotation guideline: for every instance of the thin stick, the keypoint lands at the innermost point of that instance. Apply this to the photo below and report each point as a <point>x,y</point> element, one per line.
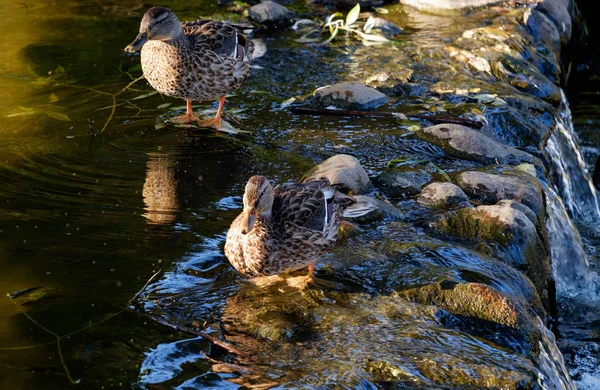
<point>186,329</point>
<point>137,296</point>
<point>384,114</point>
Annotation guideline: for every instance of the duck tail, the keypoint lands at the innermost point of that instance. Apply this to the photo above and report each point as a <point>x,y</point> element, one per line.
<point>256,49</point>
<point>363,205</point>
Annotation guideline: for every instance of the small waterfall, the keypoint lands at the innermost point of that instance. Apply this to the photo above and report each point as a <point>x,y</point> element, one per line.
<point>570,177</point>
<point>569,261</point>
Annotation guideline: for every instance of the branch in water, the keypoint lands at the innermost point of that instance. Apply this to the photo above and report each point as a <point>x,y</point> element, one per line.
<point>383,114</point>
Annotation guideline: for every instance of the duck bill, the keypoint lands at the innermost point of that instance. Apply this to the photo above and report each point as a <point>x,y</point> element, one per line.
<point>137,43</point>
<point>248,220</point>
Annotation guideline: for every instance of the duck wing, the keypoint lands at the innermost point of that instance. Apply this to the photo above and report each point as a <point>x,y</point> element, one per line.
<point>224,39</point>
<point>308,205</point>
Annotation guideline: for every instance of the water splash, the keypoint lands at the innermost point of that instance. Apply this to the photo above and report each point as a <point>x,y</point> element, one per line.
<point>569,173</point>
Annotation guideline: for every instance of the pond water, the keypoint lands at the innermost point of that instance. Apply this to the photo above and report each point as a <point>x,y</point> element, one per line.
<point>94,201</point>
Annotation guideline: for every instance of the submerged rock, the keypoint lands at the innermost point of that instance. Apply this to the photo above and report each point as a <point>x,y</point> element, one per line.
<point>398,185</point>
<point>443,195</point>
<point>466,143</point>
<point>349,96</point>
<point>270,13</point>
<point>343,171</point>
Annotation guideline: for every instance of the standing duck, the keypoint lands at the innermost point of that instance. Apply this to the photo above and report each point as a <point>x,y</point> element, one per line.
<point>195,61</point>
<point>287,227</point>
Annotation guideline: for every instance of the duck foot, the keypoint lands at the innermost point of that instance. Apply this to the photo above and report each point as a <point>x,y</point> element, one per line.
<point>185,119</point>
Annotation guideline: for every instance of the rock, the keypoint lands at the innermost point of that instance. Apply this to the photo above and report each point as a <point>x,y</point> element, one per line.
<point>432,5</point>
<point>343,171</point>
<point>271,14</point>
<point>408,89</point>
<point>386,27</point>
<point>543,31</point>
<point>521,75</point>
<point>521,207</point>
<point>349,96</point>
<point>468,144</point>
<point>557,12</point>
<point>400,185</point>
<point>491,188</point>
<point>510,235</point>
<point>516,127</point>
<point>443,195</point>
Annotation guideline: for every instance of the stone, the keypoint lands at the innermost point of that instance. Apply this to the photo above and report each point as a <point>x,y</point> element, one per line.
<point>408,89</point>
<point>491,188</point>
<point>386,27</point>
<point>516,127</point>
<point>510,235</point>
<point>557,12</point>
<point>400,185</point>
<point>432,5</point>
<point>468,144</point>
<point>270,13</point>
<point>349,96</point>
<point>543,31</point>
<point>523,76</point>
<point>343,171</point>
<point>439,194</point>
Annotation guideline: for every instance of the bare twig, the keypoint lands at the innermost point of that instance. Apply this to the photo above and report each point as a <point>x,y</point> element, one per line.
<point>186,329</point>
<point>135,298</point>
<point>384,114</point>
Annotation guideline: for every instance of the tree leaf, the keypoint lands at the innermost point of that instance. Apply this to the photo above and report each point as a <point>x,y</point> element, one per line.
<point>333,34</point>
<point>372,37</point>
<point>382,10</point>
<point>145,95</point>
<point>353,15</point>
<point>369,24</point>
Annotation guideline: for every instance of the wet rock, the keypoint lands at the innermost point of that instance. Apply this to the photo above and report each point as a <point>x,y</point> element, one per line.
<point>468,144</point>
<point>386,27</point>
<point>491,188</point>
<point>521,207</point>
<point>432,5</point>
<point>349,96</point>
<point>526,78</point>
<point>399,185</point>
<point>510,235</point>
<point>443,195</point>
<point>515,127</point>
<point>557,12</point>
<point>408,89</point>
<point>271,14</point>
<point>543,31</point>
<point>343,171</point>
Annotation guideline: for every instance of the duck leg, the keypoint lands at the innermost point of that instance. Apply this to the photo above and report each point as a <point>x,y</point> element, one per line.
<point>188,117</point>
<point>216,121</point>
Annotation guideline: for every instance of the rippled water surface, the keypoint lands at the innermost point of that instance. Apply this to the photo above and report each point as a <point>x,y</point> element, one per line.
<point>98,192</point>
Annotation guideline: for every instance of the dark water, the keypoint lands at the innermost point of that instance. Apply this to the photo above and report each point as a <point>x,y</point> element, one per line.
<point>92,207</point>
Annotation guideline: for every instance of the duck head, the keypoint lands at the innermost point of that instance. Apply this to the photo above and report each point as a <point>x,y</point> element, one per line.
<point>258,201</point>
<point>158,23</point>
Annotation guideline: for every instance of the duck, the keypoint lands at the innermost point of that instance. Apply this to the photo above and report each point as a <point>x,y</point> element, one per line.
<point>287,227</point>
<point>197,61</point>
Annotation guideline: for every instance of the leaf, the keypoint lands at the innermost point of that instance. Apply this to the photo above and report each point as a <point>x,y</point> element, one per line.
<point>145,95</point>
<point>353,15</point>
<point>164,105</point>
<point>369,24</point>
<point>288,102</point>
<point>382,10</point>
<point>135,68</point>
<point>24,113</point>
<point>58,116</point>
<point>21,293</point>
<point>53,98</point>
<point>372,37</point>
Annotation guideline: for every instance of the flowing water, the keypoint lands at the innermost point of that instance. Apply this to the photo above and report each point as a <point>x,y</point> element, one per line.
<point>98,193</point>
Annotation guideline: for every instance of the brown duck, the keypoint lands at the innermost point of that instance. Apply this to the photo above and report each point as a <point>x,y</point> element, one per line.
<point>287,227</point>
<point>195,61</point>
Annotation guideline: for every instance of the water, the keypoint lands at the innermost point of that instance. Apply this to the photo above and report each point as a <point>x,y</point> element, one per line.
<point>93,204</point>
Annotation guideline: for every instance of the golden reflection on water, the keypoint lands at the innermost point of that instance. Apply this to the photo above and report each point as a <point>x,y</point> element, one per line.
<point>160,190</point>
